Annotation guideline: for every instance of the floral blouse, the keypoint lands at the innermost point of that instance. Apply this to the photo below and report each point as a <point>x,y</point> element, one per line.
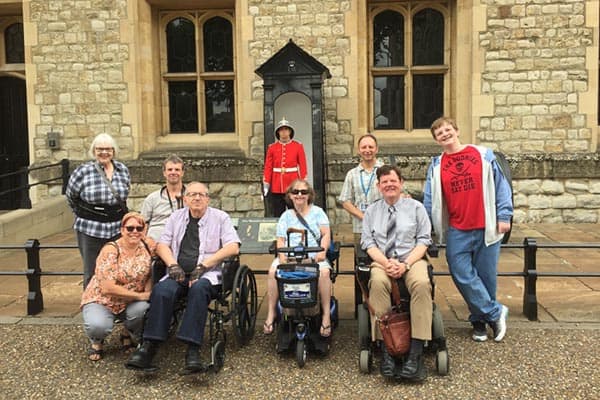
<point>130,272</point>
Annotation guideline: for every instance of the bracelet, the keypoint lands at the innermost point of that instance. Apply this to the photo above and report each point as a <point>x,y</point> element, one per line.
<point>174,265</point>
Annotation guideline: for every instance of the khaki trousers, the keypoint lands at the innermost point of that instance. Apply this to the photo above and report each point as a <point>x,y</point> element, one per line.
<point>421,303</point>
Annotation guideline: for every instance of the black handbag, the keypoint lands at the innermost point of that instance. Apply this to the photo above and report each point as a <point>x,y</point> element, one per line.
<point>101,212</point>
<point>98,212</point>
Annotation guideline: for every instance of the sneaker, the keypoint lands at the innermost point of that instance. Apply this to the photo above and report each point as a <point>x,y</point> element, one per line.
<point>479,331</point>
<point>499,326</point>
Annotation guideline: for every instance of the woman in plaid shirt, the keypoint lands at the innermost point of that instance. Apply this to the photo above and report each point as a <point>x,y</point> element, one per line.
<point>87,186</point>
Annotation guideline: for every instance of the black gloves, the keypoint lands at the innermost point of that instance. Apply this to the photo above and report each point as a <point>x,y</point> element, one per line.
<point>176,272</point>
<point>197,272</point>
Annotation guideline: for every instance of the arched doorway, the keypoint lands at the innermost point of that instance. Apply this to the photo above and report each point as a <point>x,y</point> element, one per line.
<point>14,143</point>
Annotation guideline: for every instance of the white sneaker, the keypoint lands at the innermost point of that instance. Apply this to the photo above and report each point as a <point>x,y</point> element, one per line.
<point>499,326</point>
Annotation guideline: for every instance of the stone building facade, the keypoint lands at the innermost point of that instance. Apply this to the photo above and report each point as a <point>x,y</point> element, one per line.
<point>518,76</point>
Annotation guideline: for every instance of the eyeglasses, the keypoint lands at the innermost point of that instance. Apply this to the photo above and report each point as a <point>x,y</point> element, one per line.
<point>131,228</point>
<point>300,191</point>
<point>197,194</point>
<point>104,149</point>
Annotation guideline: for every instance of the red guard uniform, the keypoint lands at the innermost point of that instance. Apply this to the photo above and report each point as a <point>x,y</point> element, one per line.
<point>283,164</point>
<point>285,161</point>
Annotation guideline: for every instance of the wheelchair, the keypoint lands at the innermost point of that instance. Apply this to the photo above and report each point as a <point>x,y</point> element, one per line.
<point>298,307</point>
<point>436,346</point>
<point>237,302</point>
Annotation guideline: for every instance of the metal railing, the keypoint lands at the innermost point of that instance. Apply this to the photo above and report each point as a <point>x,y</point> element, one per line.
<point>23,185</point>
<point>530,273</point>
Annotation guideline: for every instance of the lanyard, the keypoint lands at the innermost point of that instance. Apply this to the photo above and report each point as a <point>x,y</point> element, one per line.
<point>362,184</point>
<point>179,199</point>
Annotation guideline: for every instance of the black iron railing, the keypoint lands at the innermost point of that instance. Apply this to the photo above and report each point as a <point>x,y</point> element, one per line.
<point>530,273</point>
<point>23,184</point>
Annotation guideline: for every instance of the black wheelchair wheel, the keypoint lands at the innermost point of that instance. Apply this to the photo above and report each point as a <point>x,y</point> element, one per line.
<point>437,326</point>
<point>300,353</point>
<point>244,304</point>
<point>364,331</point>
<point>218,355</point>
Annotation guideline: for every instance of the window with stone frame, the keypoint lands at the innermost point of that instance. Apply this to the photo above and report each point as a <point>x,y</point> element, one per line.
<point>198,72</point>
<point>12,53</point>
<point>409,69</point>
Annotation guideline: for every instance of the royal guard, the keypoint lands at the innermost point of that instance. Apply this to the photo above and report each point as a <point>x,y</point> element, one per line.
<point>285,161</point>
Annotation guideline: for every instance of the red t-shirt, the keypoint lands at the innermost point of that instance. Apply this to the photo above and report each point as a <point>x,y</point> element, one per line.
<point>462,186</point>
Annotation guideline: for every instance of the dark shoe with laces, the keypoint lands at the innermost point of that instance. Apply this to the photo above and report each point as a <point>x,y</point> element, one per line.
<point>479,331</point>
<point>413,368</point>
<point>141,359</point>
<point>193,363</point>
<point>387,366</point>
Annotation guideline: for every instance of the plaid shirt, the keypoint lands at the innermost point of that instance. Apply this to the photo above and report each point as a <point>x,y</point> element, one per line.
<point>86,183</point>
<point>357,182</point>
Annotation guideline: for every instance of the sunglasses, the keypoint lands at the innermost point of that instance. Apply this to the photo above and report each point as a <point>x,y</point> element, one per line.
<point>299,191</point>
<point>132,228</point>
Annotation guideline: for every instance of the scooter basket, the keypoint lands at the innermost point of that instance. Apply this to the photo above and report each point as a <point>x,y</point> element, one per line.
<point>298,285</point>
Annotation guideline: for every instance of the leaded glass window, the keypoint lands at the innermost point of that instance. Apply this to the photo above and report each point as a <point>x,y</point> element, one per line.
<point>199,74</point>
<point>13,44</point>
<point>408,70</point>
<point>181,46</point>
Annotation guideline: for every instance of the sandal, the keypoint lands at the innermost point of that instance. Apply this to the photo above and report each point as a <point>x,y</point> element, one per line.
<point>268,328</point>
<point>126,343</point>
<point>325,331</point>
<point>95,354</point>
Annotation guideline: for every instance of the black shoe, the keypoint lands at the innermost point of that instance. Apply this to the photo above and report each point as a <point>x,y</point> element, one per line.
<point>479,331</point>
<point>192,359</point>
<point>413,368</point>
<point>142,357</point>
<point>387,366</point>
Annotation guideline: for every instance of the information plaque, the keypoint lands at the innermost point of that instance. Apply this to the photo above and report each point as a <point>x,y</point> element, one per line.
<point>256,234</point>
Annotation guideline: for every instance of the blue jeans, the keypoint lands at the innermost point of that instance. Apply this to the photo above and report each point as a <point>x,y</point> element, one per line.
<point>473,267</point>
<point>89,248</point>
<point>163,299</point>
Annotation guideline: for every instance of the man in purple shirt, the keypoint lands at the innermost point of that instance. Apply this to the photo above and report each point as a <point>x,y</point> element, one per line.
<point>194,243</point>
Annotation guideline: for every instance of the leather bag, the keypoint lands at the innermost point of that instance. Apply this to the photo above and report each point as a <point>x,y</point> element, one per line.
<point>395,330</point>
<point>395,326</point>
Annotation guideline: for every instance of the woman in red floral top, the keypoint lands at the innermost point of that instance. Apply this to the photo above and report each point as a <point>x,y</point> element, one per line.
<point>120,287</point>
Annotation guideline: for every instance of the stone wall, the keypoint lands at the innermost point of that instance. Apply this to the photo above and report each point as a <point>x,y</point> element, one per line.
<point>536,64</point>
<point>318,27</point>
<point>77,75</point>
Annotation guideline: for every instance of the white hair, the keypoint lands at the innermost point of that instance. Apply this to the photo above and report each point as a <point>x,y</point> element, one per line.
<point>103,139</point>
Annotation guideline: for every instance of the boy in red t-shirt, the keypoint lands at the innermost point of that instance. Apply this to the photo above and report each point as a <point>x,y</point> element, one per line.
<point>469,202</point>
